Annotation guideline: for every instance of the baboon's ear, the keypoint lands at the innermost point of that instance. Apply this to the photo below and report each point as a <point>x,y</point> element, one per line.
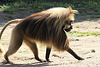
<point>73,11</point>
<point>70,8</point>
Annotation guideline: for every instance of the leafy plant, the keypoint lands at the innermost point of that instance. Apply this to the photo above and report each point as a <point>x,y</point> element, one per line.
<point>84,7</point>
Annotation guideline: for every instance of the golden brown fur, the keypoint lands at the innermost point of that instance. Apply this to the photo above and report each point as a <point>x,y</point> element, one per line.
<point>47,27</point>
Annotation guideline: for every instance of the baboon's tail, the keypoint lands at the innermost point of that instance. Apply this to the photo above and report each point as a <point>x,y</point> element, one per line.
<point>5,26</point>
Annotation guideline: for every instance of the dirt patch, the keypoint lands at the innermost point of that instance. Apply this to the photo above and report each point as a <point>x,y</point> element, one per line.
<point>87,47</point>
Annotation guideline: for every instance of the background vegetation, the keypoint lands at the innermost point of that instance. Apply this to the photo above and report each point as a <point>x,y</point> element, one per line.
<point>84,6</point>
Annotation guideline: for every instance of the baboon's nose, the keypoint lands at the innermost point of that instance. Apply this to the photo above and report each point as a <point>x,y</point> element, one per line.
<point>71,27</point>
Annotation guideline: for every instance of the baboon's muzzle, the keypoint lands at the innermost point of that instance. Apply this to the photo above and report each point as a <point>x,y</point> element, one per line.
<point>69,29</point>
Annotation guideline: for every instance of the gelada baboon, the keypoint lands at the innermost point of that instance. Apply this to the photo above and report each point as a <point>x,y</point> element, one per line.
<point>46,27</point>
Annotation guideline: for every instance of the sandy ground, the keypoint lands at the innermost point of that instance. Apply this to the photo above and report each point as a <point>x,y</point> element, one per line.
<point>87,47</point>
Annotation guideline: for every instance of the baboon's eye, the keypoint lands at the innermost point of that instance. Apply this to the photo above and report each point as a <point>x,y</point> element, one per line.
<point>71,21</point>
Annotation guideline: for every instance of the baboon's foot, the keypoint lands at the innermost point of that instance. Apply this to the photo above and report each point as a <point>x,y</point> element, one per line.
<point>80,58</point>
<point>47,60</point>
<point>7,62</point>
<point>38,59</point>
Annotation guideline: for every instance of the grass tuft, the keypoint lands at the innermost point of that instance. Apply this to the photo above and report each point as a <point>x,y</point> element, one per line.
<point>81,34</point>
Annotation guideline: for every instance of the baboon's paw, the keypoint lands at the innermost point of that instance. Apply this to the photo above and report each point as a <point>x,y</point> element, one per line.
<point>81,58</point>
<point>38,59</point>
<point>7,62</point>
<point>47,60</point>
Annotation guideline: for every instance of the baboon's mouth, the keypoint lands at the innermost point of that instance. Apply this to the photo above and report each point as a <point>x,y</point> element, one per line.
<point>69,29</point>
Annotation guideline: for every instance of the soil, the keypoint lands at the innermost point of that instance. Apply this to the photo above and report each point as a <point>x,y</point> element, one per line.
<point>87,47</point>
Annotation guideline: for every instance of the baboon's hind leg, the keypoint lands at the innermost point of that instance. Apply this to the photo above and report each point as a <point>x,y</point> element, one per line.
<point>34,49</point>
<point>15,43</point>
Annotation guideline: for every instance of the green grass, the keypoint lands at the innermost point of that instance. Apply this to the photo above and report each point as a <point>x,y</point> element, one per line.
<point>36,6</point>
<point>8,17</point>
<point>95,16</point>
<point>78,26</point>
<point>81,34</point>
<point>84,6</point>
<point>4,44</point>
<point>15,6</point>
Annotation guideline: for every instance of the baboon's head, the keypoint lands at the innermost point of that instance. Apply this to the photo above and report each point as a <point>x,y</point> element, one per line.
<point>69,19</point>
<point>59,18</point>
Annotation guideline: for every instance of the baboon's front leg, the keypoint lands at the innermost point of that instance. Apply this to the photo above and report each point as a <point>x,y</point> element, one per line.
<point>48,50</point>
<point>74,54</point>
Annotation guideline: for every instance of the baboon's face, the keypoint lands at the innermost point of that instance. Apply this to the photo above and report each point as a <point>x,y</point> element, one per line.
<point>67,26</point>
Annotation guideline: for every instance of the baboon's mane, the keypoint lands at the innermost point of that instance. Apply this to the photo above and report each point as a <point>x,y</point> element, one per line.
<point>46,26</point>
